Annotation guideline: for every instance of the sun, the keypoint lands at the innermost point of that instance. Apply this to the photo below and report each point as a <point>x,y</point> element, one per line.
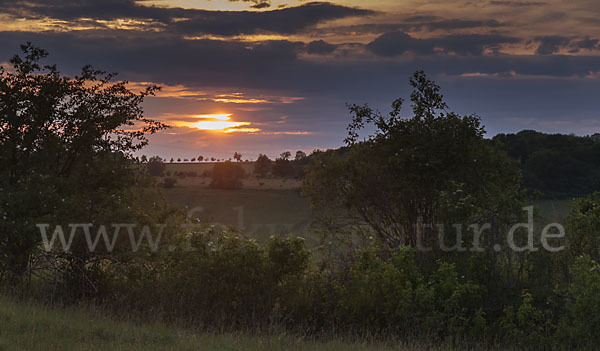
<point>219,122</point>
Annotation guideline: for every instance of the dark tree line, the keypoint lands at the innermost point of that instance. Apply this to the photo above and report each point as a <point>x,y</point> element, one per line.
<point>556,165</point>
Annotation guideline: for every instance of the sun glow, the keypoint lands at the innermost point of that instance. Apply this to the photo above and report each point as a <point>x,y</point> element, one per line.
<point>220,117</point>
<point>219,123</point>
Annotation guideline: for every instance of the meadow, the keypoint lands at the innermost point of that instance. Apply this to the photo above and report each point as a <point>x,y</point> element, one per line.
<point>278,206</point>
<point>33,326</point>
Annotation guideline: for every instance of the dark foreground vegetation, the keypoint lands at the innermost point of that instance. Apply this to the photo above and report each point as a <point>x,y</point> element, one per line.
<point>27,325</point>
<point>382,272</point>
<point>555,165</point>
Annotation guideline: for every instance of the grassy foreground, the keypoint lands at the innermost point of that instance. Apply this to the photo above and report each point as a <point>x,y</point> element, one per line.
<point>29,326</point>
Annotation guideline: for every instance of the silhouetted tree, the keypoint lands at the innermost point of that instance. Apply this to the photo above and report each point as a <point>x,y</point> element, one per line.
<point>413,172</point>
<point>65,143</point>
<point>237,156</point>
<point>262,166</point>
<point>300,155</point>
<point>156,166</point>
<point>285,155</point>
<point>283,167</point>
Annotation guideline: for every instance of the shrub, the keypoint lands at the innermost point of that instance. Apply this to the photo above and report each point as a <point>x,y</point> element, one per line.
<point>227,281</point>
<point>526,325</point>
<point>580,325</point>
<point>169,182</point>
<point>390,294</point>
<point>262,166</point>
<point>227,175</point>
<point>156,166</point>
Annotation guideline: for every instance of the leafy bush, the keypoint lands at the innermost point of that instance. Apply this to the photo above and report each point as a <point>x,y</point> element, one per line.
<point>391,294</point>
<point>581,323</point>
<point>528,326</point>
<point>227,175</point>
<point>227,280</point>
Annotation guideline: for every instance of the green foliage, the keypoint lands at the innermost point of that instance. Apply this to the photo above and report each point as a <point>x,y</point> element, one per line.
<point>583,223</point>
<point>384,294</point>
<point>582,236</point>
<point>442,158</point>
<point>528,326</point>
<point>227,175</point>
<point>283,166</point>
<point>27,326</point>
<point>66,149</point>
<point>225,280</point>
<point>555,164</point>
<point>580,324</point>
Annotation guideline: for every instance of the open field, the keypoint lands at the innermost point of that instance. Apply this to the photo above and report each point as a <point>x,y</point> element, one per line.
<point>271,211</point>
<point>259,213</point>
<point>554,210</point>
<point>30,326</point>
<point>202,169</point>
<point>273,201</point>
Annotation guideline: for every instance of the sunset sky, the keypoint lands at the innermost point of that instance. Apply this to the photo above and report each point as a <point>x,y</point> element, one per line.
<point>266,76</point>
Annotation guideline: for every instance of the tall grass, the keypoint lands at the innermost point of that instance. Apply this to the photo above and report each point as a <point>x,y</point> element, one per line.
<point>31,326</point>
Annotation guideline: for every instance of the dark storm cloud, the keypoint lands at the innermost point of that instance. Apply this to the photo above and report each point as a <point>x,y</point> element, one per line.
<point>459,24</point>
<point>517,3</point>
<point>587,44</point>
<point>168,59</point>
<point>320,47</point>
<point>548,45</point>
<point>186,21</point>
<point>285,21</point>
<point>436,22</point>
<point>398,43</point>
<point>551,44</point>
<point>261,5</point>
<point>412,24</point>
<point>74,9</point>
<point>275,67</point>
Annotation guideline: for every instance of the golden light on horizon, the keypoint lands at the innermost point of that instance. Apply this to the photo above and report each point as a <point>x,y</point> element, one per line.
<point>242,130</point>
<point>220,117</point>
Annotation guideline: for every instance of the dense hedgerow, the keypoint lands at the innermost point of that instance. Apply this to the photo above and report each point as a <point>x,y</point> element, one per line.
<point>232,282</point>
